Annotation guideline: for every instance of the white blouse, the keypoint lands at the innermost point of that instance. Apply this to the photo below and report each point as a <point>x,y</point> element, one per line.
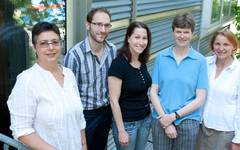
<point>39,104</point>
<point>222,108</point>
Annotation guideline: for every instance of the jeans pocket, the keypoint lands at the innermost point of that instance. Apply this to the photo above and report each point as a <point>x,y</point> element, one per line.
<point>147,122</point>
<point>130,127</point>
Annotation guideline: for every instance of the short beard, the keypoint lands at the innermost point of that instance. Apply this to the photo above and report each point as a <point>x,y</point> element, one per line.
<point>95,40</point>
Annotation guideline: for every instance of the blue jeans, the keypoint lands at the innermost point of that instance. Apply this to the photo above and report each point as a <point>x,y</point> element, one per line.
<point>138,132</point>
<point>187,132</point>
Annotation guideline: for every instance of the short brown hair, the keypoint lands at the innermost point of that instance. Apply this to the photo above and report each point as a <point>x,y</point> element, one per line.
<point>41,27</point>
<point>94,11</point>
<point>184,20</point>
<point>229,35</point>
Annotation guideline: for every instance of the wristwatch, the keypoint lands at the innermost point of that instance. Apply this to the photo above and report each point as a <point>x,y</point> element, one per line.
<point>177,115</point>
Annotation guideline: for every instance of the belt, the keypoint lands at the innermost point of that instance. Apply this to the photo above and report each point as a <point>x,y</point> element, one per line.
<point>101,109</point>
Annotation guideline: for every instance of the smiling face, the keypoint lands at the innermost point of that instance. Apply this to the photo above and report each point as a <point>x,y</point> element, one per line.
<point>138,41</point>
<point>222,47</point>
<point>99,27</point>
<point>47,47</point>
<point>183,36</point>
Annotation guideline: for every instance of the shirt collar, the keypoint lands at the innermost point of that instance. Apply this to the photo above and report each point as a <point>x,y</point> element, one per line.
<point>88,48</point>
<point>235,63</point>
<point>191,54</point>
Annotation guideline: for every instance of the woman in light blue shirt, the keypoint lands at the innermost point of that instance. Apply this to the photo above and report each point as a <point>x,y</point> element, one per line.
<point>179,85</point>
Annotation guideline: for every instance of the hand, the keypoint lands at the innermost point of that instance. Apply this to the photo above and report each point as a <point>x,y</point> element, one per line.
<point>171,131</point>
<point>167,119</point>
<point>51,148</point>
<point>123,138</point>
<point>234,146</point>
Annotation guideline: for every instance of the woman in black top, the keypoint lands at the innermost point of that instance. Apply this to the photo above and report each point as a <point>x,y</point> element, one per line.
<point>128,81</point>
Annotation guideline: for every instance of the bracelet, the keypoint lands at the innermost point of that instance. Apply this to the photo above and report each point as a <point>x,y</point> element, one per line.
<point>177,115</point>
<point>159,117</point>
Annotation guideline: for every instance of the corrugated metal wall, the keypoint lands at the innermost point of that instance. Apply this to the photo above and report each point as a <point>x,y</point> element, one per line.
<point>119,9</point>
<point>204,43</point>
<point>146,7</point>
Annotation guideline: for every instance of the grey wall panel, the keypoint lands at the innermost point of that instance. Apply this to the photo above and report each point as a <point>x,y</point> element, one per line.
<point>204,45</point>
<point>117,37</point>
<point>161,34</point>
<point>197,17</point>
<point>156,6</point>
<point>194,44</point>
<point>119,9</point>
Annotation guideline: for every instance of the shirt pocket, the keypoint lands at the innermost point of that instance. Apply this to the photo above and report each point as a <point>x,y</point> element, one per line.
<point>86,76</point>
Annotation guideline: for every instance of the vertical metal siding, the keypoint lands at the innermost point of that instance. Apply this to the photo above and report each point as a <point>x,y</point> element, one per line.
<point>197,17</point>
<point>204,44</point>
<point>194,43</point>
<point>161,34</point>
<point>146,7</point>
<point>119,9</point>
<point>117,37</point>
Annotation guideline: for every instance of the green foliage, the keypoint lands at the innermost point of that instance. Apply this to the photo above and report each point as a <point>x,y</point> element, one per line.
<point>27,14</point>
<point>216,10</point>
<point>238,55</point>
<point>236,9</point>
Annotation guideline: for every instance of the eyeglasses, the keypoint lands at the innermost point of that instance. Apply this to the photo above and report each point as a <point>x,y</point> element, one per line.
<point>46,44</point>
<point>100,25</point>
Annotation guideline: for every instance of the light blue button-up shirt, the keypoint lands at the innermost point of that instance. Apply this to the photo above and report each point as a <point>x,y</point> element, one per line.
<point>178,82</point>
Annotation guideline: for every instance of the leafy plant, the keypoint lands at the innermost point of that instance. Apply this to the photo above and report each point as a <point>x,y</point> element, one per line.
<point>238,55</point>
<point>236,10</point>
<point>47,10</point>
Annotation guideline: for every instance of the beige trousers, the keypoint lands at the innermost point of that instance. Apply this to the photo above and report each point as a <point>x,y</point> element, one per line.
<point>210,139</point>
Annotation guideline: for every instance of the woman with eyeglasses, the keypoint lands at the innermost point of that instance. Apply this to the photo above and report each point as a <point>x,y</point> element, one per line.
<point>45,106</point>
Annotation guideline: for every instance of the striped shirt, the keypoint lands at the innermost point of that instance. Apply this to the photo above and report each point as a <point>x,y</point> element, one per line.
<point>91,73</point>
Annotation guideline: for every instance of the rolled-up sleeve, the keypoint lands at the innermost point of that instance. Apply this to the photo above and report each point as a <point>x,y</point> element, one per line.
<point>83,122</point>
<point>22,106</point>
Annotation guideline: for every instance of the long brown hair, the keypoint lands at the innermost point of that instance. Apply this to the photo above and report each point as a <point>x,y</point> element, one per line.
<point>125,51</point>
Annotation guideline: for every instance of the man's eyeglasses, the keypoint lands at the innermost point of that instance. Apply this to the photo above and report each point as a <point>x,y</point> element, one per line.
<point>100,25</point>
<point>46,44</point>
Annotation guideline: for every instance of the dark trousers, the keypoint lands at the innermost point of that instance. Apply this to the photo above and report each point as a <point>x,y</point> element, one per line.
<point>98,124</point>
